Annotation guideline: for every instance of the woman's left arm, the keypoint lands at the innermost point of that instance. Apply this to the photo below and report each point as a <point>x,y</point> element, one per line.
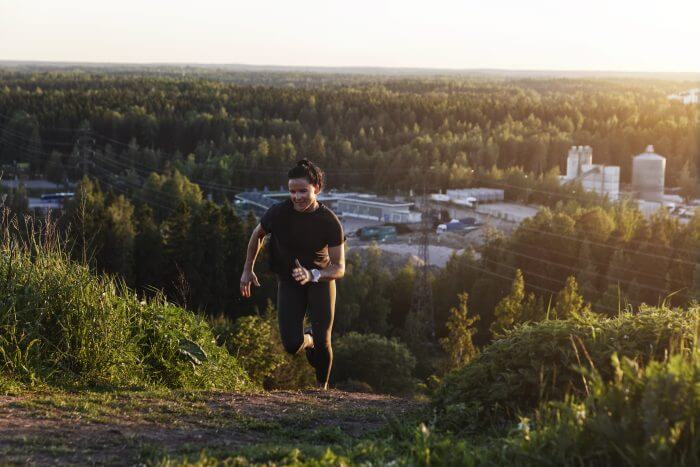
<point>336,269</point>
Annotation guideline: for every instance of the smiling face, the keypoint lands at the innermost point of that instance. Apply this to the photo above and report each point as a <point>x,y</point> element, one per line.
<point>303,194</point>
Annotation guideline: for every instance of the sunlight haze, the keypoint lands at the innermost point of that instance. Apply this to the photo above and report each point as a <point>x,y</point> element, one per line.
<point>503,34</point>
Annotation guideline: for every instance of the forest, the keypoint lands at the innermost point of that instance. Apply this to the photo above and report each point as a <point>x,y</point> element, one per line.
<point>371,134</point>
<point>156,161</point>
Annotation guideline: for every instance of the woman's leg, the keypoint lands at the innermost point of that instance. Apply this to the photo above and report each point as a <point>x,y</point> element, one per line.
<point>322,309</point>
<point>291,308</point>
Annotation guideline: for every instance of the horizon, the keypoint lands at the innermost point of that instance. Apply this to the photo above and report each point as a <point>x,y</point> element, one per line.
<point>452,36</point>
<point>359,69</point>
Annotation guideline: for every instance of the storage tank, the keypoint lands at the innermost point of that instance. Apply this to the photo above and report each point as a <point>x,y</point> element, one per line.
<point>648,174</point>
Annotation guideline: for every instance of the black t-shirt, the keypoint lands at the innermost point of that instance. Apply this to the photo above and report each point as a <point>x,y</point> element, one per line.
<point>305,236</point>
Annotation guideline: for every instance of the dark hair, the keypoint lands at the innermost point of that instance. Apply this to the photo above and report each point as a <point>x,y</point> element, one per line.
<point>306,169</point>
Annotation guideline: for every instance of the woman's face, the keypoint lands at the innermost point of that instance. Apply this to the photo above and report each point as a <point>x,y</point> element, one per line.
<point>303,193</point>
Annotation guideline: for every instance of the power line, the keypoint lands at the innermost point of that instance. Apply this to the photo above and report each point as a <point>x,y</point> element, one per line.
<point>576,258</point>
<point>572,268</point>
<point>563,283</point>
<point>605,245</point>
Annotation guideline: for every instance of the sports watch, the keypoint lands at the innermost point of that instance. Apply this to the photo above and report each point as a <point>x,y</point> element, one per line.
<point>315,275</point>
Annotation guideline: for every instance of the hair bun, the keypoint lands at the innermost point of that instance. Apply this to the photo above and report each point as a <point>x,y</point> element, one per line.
<point>306,169</point>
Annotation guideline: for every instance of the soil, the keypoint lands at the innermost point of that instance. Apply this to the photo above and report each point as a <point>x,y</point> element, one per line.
<point>132,428</point>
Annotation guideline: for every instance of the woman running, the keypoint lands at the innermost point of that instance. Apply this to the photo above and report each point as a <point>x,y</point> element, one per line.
<point>306,253</point>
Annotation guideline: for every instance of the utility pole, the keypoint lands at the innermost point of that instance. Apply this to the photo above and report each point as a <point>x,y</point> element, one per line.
<point>86,152</point>
<point>420,322</point>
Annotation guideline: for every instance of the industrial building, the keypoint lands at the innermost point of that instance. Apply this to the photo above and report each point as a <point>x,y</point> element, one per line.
<point>345,204</point>
<point>648,175</point>
<point>469,197</point>
<point>689,97</point>
<point>374,208</point>
<point>260,201</point>
<point>600,178</point>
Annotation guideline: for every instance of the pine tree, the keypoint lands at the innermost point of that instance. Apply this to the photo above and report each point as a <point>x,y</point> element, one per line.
<point>510,309</point>
<point>458,344</point>
<point>569,302</point>
<point>118,249</point>
<point>400,290</point>
<point>148,251</point>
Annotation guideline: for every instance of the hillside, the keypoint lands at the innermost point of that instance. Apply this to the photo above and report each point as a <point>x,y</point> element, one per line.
<point>127,428</point>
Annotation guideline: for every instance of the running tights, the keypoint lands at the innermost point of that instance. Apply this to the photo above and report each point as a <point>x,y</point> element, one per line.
<point>293,302</point>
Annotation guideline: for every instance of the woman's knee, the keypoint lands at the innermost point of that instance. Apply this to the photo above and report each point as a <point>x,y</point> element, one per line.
<point>292,346</point>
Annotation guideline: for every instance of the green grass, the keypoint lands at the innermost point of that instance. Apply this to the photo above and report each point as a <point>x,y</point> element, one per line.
<point>538,362</point>
<point>62,326</point>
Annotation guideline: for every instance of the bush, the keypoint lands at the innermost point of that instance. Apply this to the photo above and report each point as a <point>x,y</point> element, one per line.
<point>647,416</point>
<point>249,339</point>
<point>61,325</point>
<point>536,362</point>
<point>385,364</point>
<point>256,344</point>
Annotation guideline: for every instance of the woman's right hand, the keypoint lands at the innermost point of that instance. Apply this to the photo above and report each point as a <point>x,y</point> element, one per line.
<point>247,278</point>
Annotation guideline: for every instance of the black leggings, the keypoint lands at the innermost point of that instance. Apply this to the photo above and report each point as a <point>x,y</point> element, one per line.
<point>293,301</point>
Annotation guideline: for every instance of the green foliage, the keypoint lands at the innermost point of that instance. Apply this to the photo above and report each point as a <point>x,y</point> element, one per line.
<point>60,325</point>
<point>458,344</point>
<point>385,364</point>
<point>642,416</point>
<point>535,362</point>
<point>458,276</point>
<point>515,307</point>
<point>249,339</point>
<point>569,302</point>
<point>364,306</point>
<point>255,342</point>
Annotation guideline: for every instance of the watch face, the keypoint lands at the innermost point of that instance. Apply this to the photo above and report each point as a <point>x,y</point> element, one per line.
<point>316,274</point>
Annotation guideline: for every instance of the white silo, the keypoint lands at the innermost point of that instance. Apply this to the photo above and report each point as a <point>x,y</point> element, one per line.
<point>648,174</point>
<point>572,164</point>
<point>586,156</point>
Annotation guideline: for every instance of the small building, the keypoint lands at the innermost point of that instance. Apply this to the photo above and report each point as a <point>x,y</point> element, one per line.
<point>375,208</point>
<point>466,196</point>
<point>600,178</point>
<point>256,201</point>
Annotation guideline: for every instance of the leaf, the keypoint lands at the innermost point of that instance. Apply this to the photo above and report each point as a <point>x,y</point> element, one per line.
<point>192,351</point>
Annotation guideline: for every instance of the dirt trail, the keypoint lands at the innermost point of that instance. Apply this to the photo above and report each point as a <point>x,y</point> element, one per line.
<point>129,428</point>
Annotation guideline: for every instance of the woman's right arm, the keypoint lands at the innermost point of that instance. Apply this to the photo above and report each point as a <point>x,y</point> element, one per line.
<point>248,276</point>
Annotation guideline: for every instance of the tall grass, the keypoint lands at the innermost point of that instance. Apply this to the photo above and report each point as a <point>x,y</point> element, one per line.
<point>538,362</point>
<point>62,325</point>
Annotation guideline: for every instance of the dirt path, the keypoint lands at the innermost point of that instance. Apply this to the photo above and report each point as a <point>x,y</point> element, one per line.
<point>130,428</point>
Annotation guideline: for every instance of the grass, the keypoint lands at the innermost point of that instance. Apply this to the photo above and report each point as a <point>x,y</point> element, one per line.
<point>176,425</point>
<point>538,362</point>
<point>62,326</point>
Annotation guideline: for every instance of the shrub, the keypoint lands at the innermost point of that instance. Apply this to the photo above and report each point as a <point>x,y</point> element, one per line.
<point>647,416</point>
<point>249,340</point>
<point>61,325</point>
<point>385,364</point>
<point>256,344</point>
<point>536,362</point>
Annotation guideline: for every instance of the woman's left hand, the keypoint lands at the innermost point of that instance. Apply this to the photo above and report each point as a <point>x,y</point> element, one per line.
<point>300,273</point>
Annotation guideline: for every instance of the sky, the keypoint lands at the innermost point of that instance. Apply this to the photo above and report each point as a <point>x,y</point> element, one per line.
<point>615,35</point>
